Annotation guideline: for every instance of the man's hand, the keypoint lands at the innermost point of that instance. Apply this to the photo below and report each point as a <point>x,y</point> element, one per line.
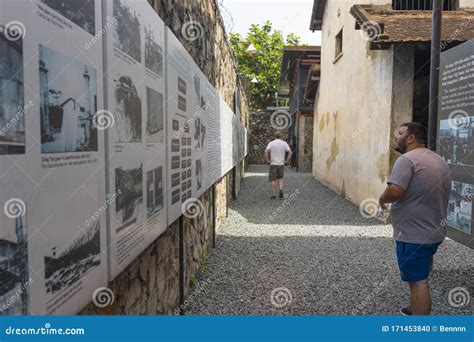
<point>382,204</point>
<point>287,162</point>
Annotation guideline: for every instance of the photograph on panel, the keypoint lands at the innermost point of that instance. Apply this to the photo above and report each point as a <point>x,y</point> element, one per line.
<point>155,116</point>
<point>68,263</point>
<point>12,110</point>
<point>128,111</point>
<point>126,34</point>
<point>68,101</point>
<point>200,106</point>
<point>80,12</point>
<point>154,184</point>
<point>460,206</point>
<point>235,141</point>
<point>153,51</point>
<point>456,140</point>
<point>129,205</point>
<point>198,174</point>
<point>14,272</point>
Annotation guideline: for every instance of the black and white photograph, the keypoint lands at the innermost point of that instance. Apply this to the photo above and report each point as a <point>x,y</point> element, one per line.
<point>457,143</point>
<point>175,145</point>
<point>199,133</point>
<point>65,265</point>
<point>12,119</point>
<point>128,111</point>
<point>14,276</point>
<point>68,95</point>
<point>175,125</point>
<point>460,206</point>
<point>175,196</point>
<point>198,174</point>
<point>153,52</point>
<point>154,184</point>
<point>129,205</point>
<point>126,32</point>
<point>155,116</point>
<point>197,87</point>
<point>80,12</point>
<point>175,162</point>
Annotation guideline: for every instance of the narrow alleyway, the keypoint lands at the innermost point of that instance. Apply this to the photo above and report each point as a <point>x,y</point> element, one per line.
<point>314,254</point>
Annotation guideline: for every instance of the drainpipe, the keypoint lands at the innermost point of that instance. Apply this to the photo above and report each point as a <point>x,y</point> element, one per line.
<point>434,72</point>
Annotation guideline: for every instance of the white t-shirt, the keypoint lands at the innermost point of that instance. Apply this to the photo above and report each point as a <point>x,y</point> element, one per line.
<point>277,149</point>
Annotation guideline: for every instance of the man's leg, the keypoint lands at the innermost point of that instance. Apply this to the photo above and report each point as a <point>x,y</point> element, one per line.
<point>420,298</point>
<point>281,174</point>
<point>274,186</point>
<point>272,177</point>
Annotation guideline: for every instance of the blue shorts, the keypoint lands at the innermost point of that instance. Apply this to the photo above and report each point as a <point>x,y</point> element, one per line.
<point>414,260</point>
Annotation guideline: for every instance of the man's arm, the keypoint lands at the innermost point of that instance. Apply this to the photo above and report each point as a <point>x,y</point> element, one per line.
<point>288,159</point>
<point>398,182</point>
<point>290,153</point>
<point>267,155</point>
<point>392,193</point>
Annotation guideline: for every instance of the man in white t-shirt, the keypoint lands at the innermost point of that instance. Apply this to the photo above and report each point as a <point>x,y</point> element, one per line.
<point>275,156</point>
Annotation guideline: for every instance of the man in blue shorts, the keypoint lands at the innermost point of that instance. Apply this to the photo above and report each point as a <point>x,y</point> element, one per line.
<point>419,189</point>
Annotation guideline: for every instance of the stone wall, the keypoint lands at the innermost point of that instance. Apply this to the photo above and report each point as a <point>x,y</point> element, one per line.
<point>151,284</point>
<point>305,143</point>
<point>260,133</point>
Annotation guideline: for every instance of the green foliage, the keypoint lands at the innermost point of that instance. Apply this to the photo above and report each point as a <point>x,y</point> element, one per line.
<point>265,64</point>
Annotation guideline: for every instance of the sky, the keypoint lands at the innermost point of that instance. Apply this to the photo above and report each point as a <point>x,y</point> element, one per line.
<point>285,15</point>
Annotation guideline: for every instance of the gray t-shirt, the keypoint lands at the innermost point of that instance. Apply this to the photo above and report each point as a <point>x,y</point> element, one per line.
<point>418,217</point>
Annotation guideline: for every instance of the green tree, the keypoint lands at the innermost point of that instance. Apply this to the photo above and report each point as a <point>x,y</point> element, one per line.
<point>265,63</point>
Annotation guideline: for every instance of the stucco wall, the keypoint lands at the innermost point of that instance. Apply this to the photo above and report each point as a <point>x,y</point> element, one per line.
<point>466,3</point>
<point>352,124</point>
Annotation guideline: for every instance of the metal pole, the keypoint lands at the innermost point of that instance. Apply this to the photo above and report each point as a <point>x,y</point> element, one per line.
<point>434,72</point>
<point>181,265</point>
<point>234,182</point>
<point>213,216</point>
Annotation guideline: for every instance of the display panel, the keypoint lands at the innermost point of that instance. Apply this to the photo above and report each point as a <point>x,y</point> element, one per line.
<point>183,92</point>
<point>214,164</point>
<point>137,153</point>
<point>169,137</point>
<point>52,240</point>
<point>456,137</point>
<point>226,126</point>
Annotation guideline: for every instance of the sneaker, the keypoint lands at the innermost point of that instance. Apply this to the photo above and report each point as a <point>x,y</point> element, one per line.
<point>405,311</point>
<point>273,197</point>
<point>281,193</point>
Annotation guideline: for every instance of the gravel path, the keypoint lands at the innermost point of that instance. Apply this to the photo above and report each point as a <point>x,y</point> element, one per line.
<point>313,255</point>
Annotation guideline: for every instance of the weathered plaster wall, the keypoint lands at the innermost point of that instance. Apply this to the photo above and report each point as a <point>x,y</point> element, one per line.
<point>150,285</point>
<point>403,90</point>
<point>466,3</point>
<point>352,124</point>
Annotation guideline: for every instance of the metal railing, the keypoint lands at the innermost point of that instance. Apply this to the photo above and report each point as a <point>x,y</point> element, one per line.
<point>421,5</point>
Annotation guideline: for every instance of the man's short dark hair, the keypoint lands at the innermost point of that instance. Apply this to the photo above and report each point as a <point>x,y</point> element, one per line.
<point>278,134</point>
<point>418,130</point>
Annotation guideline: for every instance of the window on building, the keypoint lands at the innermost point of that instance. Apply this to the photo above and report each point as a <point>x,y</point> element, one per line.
<point>338,45</point>
<point>422,5</point>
